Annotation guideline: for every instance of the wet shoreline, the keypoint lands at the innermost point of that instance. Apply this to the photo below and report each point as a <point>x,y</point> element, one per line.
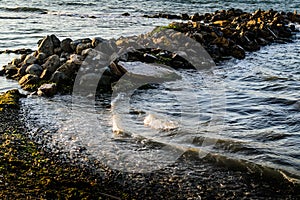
<point>177,181</point>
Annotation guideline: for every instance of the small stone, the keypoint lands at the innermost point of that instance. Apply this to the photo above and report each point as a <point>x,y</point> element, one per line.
<point>34,69</point>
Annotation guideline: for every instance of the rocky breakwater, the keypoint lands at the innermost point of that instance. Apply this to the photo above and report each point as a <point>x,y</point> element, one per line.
<point>231,33</point>
<point>94,64</point>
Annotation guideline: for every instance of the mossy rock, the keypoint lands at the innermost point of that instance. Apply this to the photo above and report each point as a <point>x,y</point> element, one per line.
<point>10,99</point>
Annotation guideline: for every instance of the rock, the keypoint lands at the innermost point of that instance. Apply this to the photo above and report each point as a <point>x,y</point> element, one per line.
<point>30,59</point>
<point>116,70</point>
<point>77,59</point>
<point>126,14</point>
<point>153,72</point>
<point>222,23</point>
<point>46,74</point>
<point>10,70</point>
<point>41,57</point>
<point>16,61</point>
<point>52,63</point>
<point>238,52</point>
<point>82,46</point>
<point>34,69</point>
<point>47,90</point>
<point>2,72</point>
<point>10,99</point>
<point>28,79</point>
<point>69,68</point>
<point>55,41</point>
<point>74,43</point>
<point>58,77</point>
<point>22,70</point>
<point>46,46</point>
<point>86,52</point>
<point>65,45</point>
<point>185,16</point>
<point>96,41</point>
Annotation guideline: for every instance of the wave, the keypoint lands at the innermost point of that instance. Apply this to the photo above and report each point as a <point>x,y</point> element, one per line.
<point>24,9</point>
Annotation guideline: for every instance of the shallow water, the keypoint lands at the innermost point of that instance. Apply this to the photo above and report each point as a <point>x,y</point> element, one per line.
<point>244,110</point>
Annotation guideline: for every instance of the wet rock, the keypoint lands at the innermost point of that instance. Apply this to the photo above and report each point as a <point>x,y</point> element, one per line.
<point>46,46</point>
<point>41,57</point>
<point>185,16</point>
<point>238,52</point>
<point>34,69</point>
<point>69,68</point>
<point>22,70</point>
<point>82,46</point>
<point>58,77</point>
<point>47,90</point>
<point>16,61</point>
<point>28,79</point>
<point>46,74</point>
<point>55,41</point>
<point>10,99</point>
<point>74,43</point>
<point>96,41</point>
<point>126,14</point>
<point>30,59</point>
<point>65,45</point>
<point>152,71</point>
<point>76,59</point>
<point>10,70</point>
<point>52,63</point>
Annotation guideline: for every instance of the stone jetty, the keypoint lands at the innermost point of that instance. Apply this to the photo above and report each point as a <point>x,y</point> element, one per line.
<point>55,65</point>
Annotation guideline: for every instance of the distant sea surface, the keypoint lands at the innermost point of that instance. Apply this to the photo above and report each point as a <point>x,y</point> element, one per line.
<point>262,92</point>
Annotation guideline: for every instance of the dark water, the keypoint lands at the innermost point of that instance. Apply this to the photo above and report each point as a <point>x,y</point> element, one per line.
<point>247,111</point>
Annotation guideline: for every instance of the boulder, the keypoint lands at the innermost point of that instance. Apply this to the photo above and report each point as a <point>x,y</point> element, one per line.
<point>52,63</point>
<point>34,69</point>
<point>47,89</point>
<point>16,61</point>
<point>82,46</point>
<point>96,41</point>
<point>65,45</point>
<point>46,46</point>
<point>46,74</point>
<point>22,69</point>
<point>55,41</point>
<point>10,70</point>
<point>153,72</point>
<point>28,79</point>
<point>58,77</point>
<point>68,68</point>
<point>74,43</point>
<point>41,57</point>
<point>30,59</point>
